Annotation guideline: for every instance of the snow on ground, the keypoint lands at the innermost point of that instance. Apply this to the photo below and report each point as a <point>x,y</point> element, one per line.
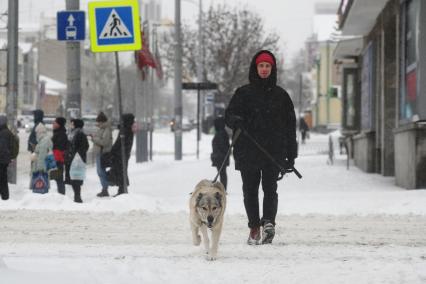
<point>334,226</point>
<point>164,185</point>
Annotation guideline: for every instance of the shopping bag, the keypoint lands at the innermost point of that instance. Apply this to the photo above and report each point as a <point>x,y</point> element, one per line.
<point>50,162</point>
<point>40,182</point>
<point>77,168</point>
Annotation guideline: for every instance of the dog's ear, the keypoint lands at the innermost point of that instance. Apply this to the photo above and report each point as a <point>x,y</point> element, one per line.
<point>200,195</point>
<point>218,197</point>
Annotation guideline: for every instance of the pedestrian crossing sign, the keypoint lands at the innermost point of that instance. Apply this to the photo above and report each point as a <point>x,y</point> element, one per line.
<point>114,26</point>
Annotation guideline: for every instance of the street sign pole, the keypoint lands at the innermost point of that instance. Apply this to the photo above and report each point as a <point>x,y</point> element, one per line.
<point>73,101</point>
<point>178,82</point>
<point>198,124</point>
<point>122,136</point>
<point>12,76</point>
<point>114,26</point>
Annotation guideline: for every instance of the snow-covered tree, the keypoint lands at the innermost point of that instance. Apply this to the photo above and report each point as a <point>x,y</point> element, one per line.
<point>231,36</point>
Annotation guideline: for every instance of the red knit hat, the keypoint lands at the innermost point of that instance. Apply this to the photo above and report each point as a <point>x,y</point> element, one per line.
<point>265,57</point>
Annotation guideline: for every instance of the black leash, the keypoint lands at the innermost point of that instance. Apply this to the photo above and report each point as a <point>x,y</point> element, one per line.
<point>234,140</point>
<point>283,170</point>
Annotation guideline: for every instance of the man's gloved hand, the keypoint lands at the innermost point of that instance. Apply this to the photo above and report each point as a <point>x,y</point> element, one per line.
<point>289,164</point>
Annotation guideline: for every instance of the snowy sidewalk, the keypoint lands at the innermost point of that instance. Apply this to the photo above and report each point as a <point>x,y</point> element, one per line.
<point>140,247</point>
<point>164,184</point>
<point>333,226</point>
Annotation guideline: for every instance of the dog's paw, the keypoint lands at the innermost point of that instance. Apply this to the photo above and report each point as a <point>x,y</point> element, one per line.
<point>210,257</point>
<point>197,241</point>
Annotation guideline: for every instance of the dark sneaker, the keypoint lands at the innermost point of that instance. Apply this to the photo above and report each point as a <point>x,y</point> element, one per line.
<point>254,236</point>
<point>118,193</point>
<point>268,233</point>
<point>103,193</point>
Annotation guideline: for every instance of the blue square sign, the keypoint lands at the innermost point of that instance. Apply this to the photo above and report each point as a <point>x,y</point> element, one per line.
<point>114,26</point>
<point>71,25</point>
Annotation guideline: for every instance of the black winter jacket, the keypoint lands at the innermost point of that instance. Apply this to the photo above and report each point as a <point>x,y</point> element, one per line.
<point>80,145</point>
<point>6,145</point>
<point>220,143</point>
<point>115,174</point>
<point>60,139</point>
<point>32,139</point>
<point>267,114</point>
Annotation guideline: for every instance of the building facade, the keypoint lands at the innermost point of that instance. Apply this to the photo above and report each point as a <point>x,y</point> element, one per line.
<point>326,102</point>
<point>384,87</point>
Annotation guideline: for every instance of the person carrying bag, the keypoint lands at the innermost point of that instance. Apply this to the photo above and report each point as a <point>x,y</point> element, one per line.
<point>40,177</point>
<point>76,158</point>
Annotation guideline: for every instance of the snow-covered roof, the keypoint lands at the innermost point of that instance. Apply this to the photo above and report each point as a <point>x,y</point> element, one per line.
<point>53,87</point>
<point>24,46</point>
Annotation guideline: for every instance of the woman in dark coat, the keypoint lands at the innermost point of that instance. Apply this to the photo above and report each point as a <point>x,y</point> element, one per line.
<point>60,144</point>
<point>266,112</point>
<point>7,141</point>
<point>78,145</point>
<point>32,140</point>
<point>220,145</point>
<point>115,174</point>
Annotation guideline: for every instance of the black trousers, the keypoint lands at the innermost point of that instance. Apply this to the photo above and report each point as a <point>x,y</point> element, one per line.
<point>223,176</point>
<point>4,187</point>
<point>60,178</point>
<point>76,187</point>
<point>251,180</point>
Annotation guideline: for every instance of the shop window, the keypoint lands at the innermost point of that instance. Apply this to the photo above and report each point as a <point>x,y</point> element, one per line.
<point>350,100</point>
<point>367,87</point>
<point>409,56</point>
<point>334,92</point>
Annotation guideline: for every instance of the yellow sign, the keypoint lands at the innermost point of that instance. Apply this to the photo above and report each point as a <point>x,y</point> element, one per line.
<point>114,26</point>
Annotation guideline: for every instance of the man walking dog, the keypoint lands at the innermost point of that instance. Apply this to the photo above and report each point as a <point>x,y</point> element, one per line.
<point>265,112</point>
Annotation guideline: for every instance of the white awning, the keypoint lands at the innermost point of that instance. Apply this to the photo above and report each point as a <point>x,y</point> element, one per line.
<point>362,16</point>
<point>348,48</point>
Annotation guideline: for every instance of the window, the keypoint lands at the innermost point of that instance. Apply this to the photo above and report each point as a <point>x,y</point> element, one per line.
<point>350,99</point>
<point>367,87</point>
<point>409,57</point>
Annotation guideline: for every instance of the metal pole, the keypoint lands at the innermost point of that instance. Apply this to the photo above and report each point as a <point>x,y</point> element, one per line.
<point>328,82</point>
<point>73,102</point>
<point>200,44</point>
<point>198,123</point>
<point>200,73</point>
<point>178,83</point>
<point>151,112</point>
<point>300,102</point>
<point>300,93</point>
<point>122,137</point>
<point>12,75</point>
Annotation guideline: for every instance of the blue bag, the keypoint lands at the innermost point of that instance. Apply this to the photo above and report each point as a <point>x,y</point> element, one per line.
<point>40,182</point>
<point>50,162</point>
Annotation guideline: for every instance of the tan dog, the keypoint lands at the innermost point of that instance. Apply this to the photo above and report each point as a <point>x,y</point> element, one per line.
<point>206,208</point>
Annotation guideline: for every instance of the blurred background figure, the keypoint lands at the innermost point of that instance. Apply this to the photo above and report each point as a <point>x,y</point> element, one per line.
<point>102,143</point>
<point>9,149</point>
<point>60,145</point>
<point>304,129</point>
